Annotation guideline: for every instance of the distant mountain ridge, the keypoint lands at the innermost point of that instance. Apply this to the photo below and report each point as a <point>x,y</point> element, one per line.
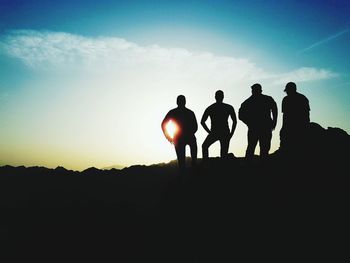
<point>332,141</point>
<point>116,166</point>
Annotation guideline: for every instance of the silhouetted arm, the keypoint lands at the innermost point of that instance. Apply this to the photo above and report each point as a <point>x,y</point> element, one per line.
<point>163,124</point>
<point>195,124</point>
<point>274,113</point>
<point>307,105</point>
<point>234,121</point>
<point>165,120</point>
<point>242,114</point>
<point>307,113</point>
<point>204,119</point>
<point>283,106</point>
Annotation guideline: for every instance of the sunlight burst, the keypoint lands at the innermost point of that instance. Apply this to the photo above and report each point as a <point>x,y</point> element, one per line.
<point>171,128</point>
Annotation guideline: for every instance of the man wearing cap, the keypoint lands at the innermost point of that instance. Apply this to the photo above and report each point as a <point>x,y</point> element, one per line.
<point>296,118</point>
<point>186,126</point>
<point>256,113</point>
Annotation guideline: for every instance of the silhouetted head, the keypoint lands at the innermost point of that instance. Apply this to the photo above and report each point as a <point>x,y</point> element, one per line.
<point>290,88</point>
<point>219,96</point>
<point>181,101</point>
<point>256,89</point>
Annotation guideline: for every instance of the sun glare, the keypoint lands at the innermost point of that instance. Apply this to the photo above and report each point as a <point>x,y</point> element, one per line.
<point>171,128</point>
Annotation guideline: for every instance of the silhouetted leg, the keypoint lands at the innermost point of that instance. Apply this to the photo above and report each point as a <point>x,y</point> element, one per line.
<point>180,153</point>
<point>265,143</point>
<point>224,143</point>
<point>290,139</point>
<point>252,141</point>
<point>282,139</point>
<point>193,146</point>
<point>206,144</point>
<point>306,138</point>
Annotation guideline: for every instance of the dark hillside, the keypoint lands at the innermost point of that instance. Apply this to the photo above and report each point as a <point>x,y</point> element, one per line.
<point>222,209</point>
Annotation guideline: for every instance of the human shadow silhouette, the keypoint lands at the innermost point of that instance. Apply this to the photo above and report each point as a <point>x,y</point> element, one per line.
<point>296,120</point>
<point>179,127</point>
<point>256,112</point>
<point>219,113</point>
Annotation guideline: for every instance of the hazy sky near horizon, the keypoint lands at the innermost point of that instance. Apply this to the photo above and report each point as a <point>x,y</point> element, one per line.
<point>87,83</point>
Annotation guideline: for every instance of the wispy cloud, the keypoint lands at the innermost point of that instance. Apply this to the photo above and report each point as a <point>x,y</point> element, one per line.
<point>305,74</point>
<point>326,40</point>
<point>47,50</point>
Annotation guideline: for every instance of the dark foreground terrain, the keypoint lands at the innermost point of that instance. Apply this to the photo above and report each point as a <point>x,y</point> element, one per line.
<point>286,208</point>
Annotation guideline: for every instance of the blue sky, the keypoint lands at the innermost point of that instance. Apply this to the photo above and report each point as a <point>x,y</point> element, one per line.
<point>99,58</point>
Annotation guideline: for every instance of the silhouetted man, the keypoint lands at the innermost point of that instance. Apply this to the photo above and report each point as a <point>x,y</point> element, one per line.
<point>296,118</point>
<point>219,113</point>
<point>256,112</point>
<point>184,128</point>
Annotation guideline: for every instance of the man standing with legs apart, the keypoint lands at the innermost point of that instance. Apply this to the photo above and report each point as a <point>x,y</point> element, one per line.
<point>219,113</point>
<point>256,112</point>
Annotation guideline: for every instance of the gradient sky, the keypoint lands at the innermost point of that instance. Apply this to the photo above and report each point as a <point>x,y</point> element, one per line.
<point>88,83</point>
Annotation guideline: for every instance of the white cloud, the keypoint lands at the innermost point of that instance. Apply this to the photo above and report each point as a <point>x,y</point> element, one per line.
<point>305,74</point>
<point>47,50</point>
